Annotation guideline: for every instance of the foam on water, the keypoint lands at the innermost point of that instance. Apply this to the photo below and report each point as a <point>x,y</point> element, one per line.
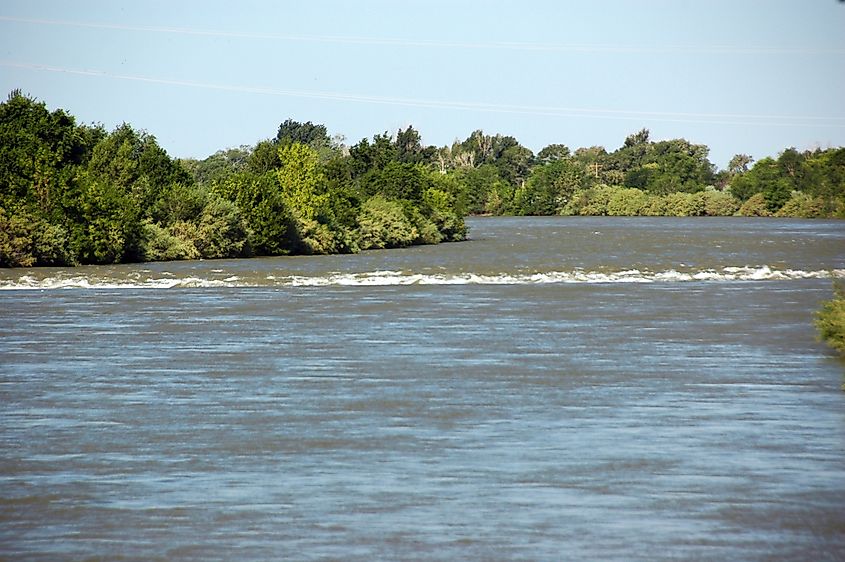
<point>392,278</point>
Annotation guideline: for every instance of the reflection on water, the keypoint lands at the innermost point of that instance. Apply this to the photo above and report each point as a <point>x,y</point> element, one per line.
<point>662,420</point>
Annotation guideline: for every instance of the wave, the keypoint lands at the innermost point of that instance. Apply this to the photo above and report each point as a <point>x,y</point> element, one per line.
<point>393,278</point>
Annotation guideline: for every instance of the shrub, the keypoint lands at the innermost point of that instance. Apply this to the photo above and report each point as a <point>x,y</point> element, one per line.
<point>627,202</point>
<point>163,244</point>
<point>719,204</point>
<point>682,205</point>
<point>26,240</point>
<point>317,238</point>
<point>655,206</point>
<point>448,225</point>
<point>830,320</point>
<point>222,231</point>
<point>756,206</point>
<point>383,224</point>
<point>803,206</point>
<point>590,202</point>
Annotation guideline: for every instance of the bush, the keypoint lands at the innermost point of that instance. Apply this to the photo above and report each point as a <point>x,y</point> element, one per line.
<point>222,231</point>
<point>318,238</point>
<point>383,224</point>
<point>803,206</point>
<point>680,204</point>
<point>26,240</point>
<point>655,206</point>
<point>448,225</point>
<point>719,204</point>
<point>590,202</point>
<point>169,244</point>
<point>627,202</point>
<point>830,320</point>
<point>756,206</point>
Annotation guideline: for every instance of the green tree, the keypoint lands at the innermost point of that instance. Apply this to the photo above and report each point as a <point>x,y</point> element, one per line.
<point>263,158</point>
<point>270,226</point>
<point>222,231</point>
<point>632,155</point>
<point>40,152</point>
<point>474,188</point>
<point>301,181</point>
<point>628,202</point>
<point>739,164</point>
<point>219,166</point>
<point>111,227</point>
<point>397,180</point>
<point>440,208</point>
<point>410,149</point>
<point>679,166</point>
<point>308,134</point>
<point>719,204</point>
<point>755,206</point>
<point>549,188</point>
<point>552,153</point>
<point>133,162</point>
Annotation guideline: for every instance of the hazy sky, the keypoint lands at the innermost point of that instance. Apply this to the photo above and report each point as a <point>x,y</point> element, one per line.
<point>753,76</point>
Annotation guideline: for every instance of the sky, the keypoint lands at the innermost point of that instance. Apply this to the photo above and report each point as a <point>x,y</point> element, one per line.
<point>741,76</point>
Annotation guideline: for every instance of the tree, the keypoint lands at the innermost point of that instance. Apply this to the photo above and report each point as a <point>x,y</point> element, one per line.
<point>397,181</point>
<point>514,164</point>
<point>474,188</point>
<point>552,153</point>
<point>549,188</point>
<point>309,134</point>
<point>365,157</point>
<point>440,207</point>
<point>270,226</point>
<point>39,153</point>
<point>134,162</point>
<point>27,240</point>
<point>680,166</point>
<point>301,181</point>
<point>111,227</point>
<point>263,158</point>
<point>593,160</point>
<point>220,165</point>
<point>739,164</point>
<point>409,147</point>
<point>641,137</point>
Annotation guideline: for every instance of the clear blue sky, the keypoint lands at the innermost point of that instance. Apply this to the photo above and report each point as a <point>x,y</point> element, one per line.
<point>738,75</point>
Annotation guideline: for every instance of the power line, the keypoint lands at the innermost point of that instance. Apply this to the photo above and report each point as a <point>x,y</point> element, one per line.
<point>613,114</point>
<point>388,41</point>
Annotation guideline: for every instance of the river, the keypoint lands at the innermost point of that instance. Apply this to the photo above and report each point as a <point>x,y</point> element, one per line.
<point>554,388</point>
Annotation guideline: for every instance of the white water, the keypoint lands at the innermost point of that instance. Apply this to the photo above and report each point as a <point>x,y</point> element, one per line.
<point>391,278</point>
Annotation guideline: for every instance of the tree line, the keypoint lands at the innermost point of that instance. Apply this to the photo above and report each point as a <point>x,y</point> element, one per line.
<point>77,194</point>
<point>72,193</point>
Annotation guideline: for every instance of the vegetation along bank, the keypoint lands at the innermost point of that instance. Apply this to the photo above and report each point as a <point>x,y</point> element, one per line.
<point>76,194</point>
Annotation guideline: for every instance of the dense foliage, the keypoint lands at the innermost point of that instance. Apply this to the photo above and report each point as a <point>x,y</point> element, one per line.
<point>830,320</point>
<point>642,177</point>
<point>74,193</point>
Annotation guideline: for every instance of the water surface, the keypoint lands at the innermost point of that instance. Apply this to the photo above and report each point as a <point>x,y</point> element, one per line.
<point>552,389</point>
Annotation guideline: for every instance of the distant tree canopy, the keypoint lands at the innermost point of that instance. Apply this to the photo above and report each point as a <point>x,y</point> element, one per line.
<point>74,193</point>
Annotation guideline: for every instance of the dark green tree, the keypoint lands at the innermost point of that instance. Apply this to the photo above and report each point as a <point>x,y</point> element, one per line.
<point>309,134</point>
